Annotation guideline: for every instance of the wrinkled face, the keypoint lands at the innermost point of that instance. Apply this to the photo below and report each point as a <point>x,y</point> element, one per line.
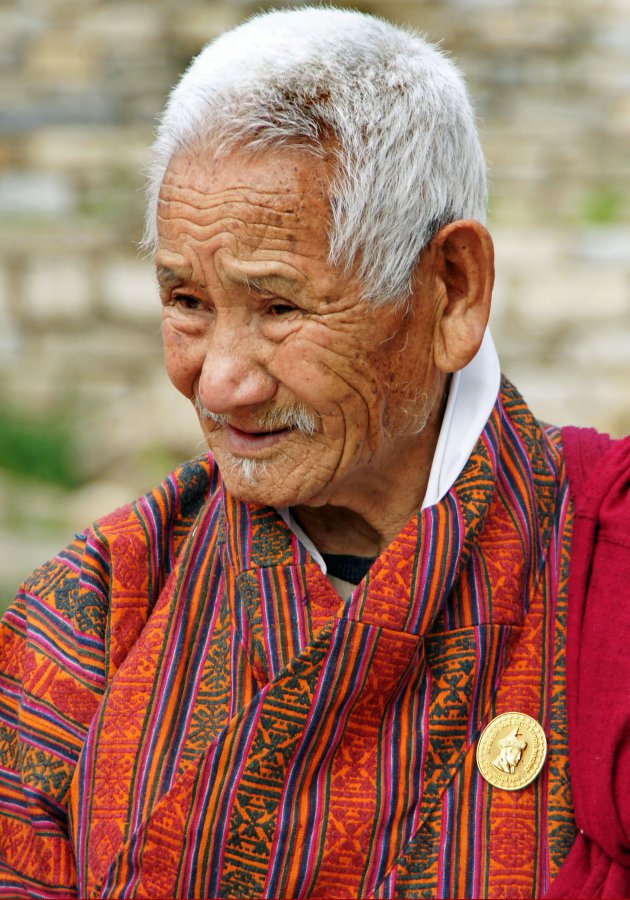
<point>305,393</point>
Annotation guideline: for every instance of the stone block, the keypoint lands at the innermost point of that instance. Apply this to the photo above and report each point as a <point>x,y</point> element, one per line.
<point>96,500</point>
<point>612,32</point>
<point>50,102</point>
<point>564,395</point>
<point>129,290</point>
<point>57,290</point>
<point>606,75</point>
<point>620,114</point>
<point>60,56</point>
<point>9,339</point>
<point>601,348</point>
<point>198,23</point>
<point>604,246</point>
<point>11,151</point>
<point>122,25</point>
<point>101,356</point>
<point>36,193</point>
<point>82,149</point>
<point>519,248</point>
<point>149,415</point>
<point>533,29</point>
<point>36,381</point>
<point>93,366</point>
<point>564,295</point>
<point>17,25</point>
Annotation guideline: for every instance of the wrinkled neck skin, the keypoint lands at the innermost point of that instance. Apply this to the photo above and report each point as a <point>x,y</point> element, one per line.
<point>367,523</point>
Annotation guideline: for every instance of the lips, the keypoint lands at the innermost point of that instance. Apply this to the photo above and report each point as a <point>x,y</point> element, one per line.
<point>246,442</point>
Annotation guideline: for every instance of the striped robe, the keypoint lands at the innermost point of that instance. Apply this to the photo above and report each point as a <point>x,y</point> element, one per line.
<point>189,709</point>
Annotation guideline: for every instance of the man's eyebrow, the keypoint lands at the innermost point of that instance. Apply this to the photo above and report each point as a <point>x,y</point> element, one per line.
<point>167,276</point>
<point>274,284</point>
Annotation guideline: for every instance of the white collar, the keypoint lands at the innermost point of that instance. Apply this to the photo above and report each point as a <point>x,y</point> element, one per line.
<point>472,395</point>
<point>471,398</point>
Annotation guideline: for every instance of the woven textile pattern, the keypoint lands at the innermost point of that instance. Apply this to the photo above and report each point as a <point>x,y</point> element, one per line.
<point>189,709</point>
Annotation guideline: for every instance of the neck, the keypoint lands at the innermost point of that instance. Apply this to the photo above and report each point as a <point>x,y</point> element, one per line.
<point>366,521</point>
<point>336,529</point>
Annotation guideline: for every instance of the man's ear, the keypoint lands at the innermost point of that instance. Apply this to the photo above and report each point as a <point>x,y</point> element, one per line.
<point>464,263</point>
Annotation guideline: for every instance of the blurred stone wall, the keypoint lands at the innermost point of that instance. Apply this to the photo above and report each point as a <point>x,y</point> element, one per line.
<point>82,82</point>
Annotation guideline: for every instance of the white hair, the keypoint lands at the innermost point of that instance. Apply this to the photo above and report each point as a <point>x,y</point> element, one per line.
<point>390,108</point>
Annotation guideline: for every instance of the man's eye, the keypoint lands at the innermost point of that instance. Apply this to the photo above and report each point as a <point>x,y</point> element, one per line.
<point>186,301</point>
<point>280,309</point>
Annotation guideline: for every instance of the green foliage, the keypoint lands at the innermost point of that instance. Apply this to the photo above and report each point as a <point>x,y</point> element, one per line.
<point>603,205</point>
<point>38,448</point>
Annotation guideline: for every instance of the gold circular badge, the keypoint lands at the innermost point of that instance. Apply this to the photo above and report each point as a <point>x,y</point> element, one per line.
<point>511,751</point>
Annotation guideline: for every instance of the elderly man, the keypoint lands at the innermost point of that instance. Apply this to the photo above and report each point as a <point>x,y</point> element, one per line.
<point>281,673</point>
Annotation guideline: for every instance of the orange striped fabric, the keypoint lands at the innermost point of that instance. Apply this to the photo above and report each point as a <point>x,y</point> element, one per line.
<point>190,710</point>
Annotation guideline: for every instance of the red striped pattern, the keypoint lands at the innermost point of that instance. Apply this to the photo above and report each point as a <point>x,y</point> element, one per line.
<point>230,728</point>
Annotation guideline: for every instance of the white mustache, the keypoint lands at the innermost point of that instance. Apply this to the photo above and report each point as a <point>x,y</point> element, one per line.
<point>297,417</point>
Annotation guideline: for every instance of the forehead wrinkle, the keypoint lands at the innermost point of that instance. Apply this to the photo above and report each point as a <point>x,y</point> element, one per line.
<point>274,226</point>
<point>240,256</point>
<point>266,213</point>
<point>246,194</point>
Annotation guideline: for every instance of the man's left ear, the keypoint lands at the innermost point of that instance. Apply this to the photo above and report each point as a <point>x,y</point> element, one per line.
<point>464,261</point>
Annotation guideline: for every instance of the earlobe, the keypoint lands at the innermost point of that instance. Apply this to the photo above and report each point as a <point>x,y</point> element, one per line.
<point>465,265</point>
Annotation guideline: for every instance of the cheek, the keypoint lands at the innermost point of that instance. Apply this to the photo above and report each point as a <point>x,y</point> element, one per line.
<point>183,359</point>
<point>328,375</point>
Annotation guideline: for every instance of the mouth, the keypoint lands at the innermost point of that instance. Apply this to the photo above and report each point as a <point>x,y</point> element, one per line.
<point>261,431</point>
<point>245,442</point>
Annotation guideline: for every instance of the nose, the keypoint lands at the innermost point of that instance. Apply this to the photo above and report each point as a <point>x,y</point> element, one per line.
<point>234,372</point>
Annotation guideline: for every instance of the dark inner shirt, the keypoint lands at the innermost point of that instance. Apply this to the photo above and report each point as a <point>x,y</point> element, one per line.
<point>347,567</point>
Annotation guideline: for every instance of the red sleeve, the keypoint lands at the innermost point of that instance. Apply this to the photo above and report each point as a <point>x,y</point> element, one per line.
<point>598,670</point>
